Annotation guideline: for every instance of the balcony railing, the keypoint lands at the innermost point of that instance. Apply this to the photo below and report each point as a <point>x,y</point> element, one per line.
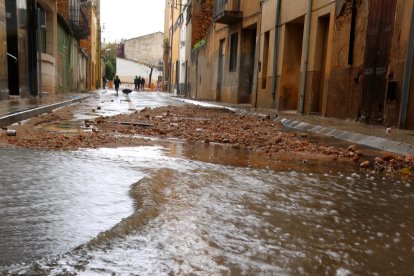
<point>79,21</point>
<point>227,11</point>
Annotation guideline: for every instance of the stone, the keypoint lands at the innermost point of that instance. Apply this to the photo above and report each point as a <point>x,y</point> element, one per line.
<point>352,148</point>
<point>11,132</point>
<point>364,164</point>
<point>275,140</point>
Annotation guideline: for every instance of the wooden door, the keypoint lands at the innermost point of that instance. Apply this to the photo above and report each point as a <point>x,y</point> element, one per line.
<point>378,45</point>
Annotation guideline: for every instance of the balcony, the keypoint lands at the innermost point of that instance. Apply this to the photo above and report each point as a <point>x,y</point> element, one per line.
<point>227,11</point>
<point>79,21</point>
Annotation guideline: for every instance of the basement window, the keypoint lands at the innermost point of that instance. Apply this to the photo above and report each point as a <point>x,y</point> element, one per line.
<point>233,51</point>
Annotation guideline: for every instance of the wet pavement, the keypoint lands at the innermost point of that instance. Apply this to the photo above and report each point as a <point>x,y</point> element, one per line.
<point>179,208</point>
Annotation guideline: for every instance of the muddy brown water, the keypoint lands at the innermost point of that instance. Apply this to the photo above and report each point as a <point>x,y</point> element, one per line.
<point>177,209</point>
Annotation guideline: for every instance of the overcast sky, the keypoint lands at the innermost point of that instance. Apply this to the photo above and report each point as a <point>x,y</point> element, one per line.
<point>131,18</point>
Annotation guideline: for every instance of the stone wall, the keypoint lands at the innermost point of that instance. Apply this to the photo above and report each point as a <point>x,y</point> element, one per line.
<point>147,49</point>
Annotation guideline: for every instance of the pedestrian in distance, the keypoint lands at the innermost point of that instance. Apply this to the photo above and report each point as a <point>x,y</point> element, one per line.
<point>139,82</point>
<point>136,83</point>
<point>104,81</point>
<point>117,82</point>
<point>142,83</point>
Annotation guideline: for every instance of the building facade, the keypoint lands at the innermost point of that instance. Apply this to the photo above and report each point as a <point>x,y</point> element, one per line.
<point>91,47</point>
<point>348,59</point>
<point>40,42</point>
<point>19,46</point>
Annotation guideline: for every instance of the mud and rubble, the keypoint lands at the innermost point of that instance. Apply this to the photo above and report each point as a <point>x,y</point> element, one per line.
<point>193,124</point>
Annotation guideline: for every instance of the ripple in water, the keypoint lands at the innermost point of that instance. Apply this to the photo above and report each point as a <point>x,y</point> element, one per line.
<point>191,217</point>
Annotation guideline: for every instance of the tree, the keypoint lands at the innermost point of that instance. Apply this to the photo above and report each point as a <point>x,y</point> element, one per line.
<point>109,70</point>
<point>110,60</point>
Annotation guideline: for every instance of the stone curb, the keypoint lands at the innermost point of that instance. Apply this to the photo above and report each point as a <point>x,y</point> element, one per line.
<point>352,137</point>
<point>26,114</point>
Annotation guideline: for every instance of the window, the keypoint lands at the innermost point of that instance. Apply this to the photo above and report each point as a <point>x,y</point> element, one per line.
<point>233,51</point>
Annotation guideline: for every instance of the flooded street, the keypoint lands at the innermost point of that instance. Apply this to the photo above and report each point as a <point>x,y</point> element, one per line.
<point>180,209</point>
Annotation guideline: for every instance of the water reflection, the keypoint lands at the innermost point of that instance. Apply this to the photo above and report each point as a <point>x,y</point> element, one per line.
<point>193,217</point>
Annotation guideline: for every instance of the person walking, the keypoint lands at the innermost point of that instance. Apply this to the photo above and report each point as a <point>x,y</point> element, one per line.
<point>136,83</point>
<point>117,82</point>
<point>139,82</point>
<point>104,81</point>
<point>142,83</point>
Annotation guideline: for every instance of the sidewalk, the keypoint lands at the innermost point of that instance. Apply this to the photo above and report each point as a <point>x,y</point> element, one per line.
<point>17,109</point>
<point>397,141</point>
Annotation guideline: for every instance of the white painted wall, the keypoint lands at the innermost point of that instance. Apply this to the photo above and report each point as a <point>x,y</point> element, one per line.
<point>128,69</point>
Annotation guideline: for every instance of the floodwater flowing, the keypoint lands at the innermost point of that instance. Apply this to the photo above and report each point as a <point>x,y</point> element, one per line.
<point>166,211</point>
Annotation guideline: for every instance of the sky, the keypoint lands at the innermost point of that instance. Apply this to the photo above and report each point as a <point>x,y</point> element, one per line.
<point>125,19</point>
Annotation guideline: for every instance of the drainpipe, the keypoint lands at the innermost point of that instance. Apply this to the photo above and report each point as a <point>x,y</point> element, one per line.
<point>258,51</point>
<point>275,53</point>
<point>305,55</point>
<point>39,54</point>
<point>33,48</point>
<point>407,75</point>
<point>171,48</point>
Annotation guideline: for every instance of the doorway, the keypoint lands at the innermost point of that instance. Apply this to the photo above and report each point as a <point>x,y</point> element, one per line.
<point>220,71</point>
<point>320,64</point>
<point>377,52</point>
<point>292,57</point>
<point>248,53</point>
<point>12,47</point>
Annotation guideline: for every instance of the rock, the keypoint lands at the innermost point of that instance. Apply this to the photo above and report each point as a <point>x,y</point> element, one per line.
<point>365,164</point>
<point>356,158</point>
<point>388,157</point>
<point>275,140</point>
<point>264,116</point>
<point>11,132</point>
<point>304,135</point>
<point>378,160</point>
<point>174,124</point>
<point>352,148</point>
